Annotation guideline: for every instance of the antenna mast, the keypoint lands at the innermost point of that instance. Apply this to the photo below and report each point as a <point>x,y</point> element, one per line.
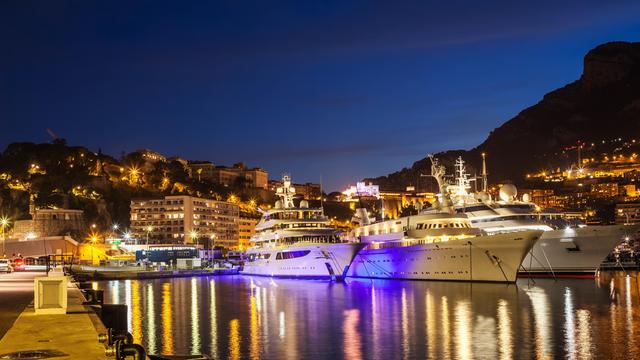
<point>484,173</point>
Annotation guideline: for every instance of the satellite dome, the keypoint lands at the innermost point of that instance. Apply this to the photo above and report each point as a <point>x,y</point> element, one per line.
<point>278,204</point>
<point>526,197</point>
<point>483,197</point>
<point>508,192</point>
<point>304,204</point>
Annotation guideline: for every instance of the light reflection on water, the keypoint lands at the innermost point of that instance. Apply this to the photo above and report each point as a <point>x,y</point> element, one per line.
<point>241,317</point>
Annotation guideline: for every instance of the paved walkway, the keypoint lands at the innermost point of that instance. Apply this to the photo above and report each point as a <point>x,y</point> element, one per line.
<point>16,292</point>
<point>73,333</point>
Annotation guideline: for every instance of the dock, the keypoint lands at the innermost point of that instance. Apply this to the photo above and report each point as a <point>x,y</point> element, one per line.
<point>74,334</point>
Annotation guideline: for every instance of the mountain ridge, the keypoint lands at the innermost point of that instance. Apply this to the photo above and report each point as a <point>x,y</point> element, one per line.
<point>603,102</point>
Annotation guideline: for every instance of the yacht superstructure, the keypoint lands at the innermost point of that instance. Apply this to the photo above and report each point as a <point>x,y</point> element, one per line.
<point>439,245</point>
<point>567,246</point>
<point>298,241</point>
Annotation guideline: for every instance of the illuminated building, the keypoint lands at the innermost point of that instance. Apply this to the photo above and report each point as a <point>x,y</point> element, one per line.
<point>246,228</point>
<point>308,191</point>
<point>393,202</point>
<point>185,219</point>
<point>227,176</point>
<point>605,190</point>
<point>627,213</point>
<point>49,222</point>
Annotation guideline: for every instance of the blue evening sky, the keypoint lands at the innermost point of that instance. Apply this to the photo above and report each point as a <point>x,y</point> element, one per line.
<point>343,90</point>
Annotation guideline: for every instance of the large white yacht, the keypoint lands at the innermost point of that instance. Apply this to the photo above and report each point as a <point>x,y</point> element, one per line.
<point>440,245</point>
<point>567,246</point>
<point>298,241</point>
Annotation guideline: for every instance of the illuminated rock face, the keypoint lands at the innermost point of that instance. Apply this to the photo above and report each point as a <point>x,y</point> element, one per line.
<point>604,103</point>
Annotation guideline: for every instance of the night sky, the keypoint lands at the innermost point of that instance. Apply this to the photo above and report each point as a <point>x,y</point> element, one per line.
<point>342,90</point>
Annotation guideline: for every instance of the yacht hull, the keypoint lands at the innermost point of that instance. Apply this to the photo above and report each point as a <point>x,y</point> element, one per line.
<point>574,251</point>
<point>323,261</point>
<point>494,258</point>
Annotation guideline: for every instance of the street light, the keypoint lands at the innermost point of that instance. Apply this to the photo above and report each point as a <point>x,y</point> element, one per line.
<point>4,222</point>
<point>93,239</point>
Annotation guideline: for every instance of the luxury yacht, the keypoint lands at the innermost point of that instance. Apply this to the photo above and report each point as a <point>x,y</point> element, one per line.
<point>567,246</point>
<point>439,245</point>
<point>298,241</point>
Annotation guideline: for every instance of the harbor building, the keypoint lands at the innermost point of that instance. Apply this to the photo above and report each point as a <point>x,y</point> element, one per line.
<point>49,222</point>
<point>228,176</point>
<point>185,220</point>
<point>246,229</point>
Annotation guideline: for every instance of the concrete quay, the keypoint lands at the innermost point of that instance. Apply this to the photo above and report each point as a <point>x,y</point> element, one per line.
<point>74,333</point>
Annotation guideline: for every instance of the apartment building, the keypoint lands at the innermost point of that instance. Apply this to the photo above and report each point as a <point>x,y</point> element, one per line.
<point>185,220</point>
<point>246,229</point>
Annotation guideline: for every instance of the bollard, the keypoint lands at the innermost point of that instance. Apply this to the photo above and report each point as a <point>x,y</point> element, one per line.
<point>94,297</point>
<point>114,316</point>
<point>85,285</point>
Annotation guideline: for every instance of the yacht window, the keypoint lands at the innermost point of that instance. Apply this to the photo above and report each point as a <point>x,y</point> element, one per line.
<point>419,227</point>
<point>292,254</point>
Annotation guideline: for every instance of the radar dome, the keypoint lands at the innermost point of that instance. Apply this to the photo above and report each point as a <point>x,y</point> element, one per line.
<point>278,204</point>
<point>508,192</point>
<point>483,197</point>
<point>526,197</point>
<point>304,204</point>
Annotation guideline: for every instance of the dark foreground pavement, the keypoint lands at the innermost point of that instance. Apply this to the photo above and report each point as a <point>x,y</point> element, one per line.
<point>16,292</point>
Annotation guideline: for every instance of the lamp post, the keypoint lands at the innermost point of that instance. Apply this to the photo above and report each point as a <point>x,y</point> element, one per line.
<point>4,222</point>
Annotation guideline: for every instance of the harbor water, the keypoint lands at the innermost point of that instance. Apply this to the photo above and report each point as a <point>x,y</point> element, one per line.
<point>242,317</point>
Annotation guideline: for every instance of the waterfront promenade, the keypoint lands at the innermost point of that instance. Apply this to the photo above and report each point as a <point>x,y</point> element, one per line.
<point>74,333</point>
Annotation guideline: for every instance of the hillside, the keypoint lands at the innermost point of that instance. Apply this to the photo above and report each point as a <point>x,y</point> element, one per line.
<point>603,103</point>
<point>57,175</point>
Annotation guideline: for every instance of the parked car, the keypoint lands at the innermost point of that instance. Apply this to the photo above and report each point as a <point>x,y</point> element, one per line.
<point>5,266</point>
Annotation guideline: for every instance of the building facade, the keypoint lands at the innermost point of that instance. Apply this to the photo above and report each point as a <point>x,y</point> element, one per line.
<point>628,213</point>
<point>227,176</point>
<point>308,191</point>
<point>49,222</point>
<point>246,229</point>
<point>185,220</point>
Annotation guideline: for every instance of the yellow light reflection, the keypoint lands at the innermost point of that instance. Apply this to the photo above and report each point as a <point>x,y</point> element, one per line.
<point>569,324</point>
<point>542,318</point>
<point>352,342</point>
<point>213,320</point>
<point>405,326</point>
<point>584,343</point>
<point>195,318</point>
<point>253,324</point>
<point>430,325</point>
<point>151,320</point>
<point>115,292</point>
<point>281,325</point>
<point>446,326</point>
<point>234,339</point>
<point>167,320</point>
<point>463,329</point>
<point>136,314</point>
<point>504,330</point>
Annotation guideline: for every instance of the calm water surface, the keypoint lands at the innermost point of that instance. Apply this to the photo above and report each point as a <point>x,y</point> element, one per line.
<point>242,317</point>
